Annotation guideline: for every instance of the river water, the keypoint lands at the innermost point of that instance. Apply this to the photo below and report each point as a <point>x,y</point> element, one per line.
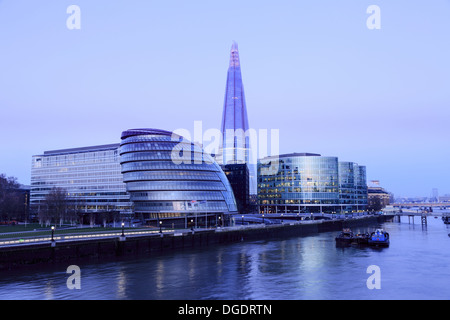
<point>416,265</point>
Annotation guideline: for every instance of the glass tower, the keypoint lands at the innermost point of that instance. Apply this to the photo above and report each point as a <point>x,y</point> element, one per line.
<point>235,145</point>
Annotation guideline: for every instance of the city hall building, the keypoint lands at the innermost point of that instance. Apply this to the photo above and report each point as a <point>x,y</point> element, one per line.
<point>168,177</point>
<point>311,183</point>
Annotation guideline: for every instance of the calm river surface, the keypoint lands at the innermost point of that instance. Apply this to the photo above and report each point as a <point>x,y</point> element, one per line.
<point>415,266</point>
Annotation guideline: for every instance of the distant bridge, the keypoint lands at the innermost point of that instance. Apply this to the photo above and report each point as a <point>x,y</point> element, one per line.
<point>423,216</point>
<point>443,205</point>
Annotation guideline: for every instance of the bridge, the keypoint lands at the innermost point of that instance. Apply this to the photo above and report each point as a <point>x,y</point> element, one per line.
<point>443,205</point>
<point>423,214</point>
<point>421,210</point>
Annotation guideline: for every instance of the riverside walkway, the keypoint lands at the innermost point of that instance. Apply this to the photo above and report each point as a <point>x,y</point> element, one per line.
<point>239,223</point>
<point>103,246</point>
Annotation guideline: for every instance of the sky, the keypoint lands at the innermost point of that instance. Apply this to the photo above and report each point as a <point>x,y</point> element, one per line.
<point>311,69</point>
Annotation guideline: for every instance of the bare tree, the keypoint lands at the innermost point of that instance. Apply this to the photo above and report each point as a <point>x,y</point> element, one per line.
<point>10,198</point>
<point>56,206</point>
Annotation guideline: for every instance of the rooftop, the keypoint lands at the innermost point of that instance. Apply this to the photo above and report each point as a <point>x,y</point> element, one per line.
<point>82,149</point>
<point>138,132</point>
<point>294,154</point>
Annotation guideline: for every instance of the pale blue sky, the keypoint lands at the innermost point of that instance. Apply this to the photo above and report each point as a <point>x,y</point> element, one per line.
<point>311,69</point>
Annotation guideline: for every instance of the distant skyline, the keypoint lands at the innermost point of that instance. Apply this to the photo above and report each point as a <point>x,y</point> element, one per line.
<point>311,69</point>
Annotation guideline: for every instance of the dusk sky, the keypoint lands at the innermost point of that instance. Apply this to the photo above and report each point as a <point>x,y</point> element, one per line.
<point>312,69</point>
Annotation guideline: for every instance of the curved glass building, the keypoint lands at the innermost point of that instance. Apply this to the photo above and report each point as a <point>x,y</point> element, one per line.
<point>310,183</point>
<point>170,178</point>
<point>303,183</point>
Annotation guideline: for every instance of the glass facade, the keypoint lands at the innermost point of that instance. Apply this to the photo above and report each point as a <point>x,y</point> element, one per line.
<point>235,148</point>
<point>347,192</point>
<point>311,183</point>
<point>162,187</point>
<point>90,175</point>
<point>360,187</point>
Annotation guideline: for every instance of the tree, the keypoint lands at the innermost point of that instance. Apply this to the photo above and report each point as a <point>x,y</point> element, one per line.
<point>56,206</point>
<point>375,204</point>
<point>10,198</point>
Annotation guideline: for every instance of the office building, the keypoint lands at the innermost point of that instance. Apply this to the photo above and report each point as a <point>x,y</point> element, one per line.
<point>90,176</point>
<point>238,176</point>
<point>377,197</point>
<point>360,187</point>
<point>347,191</point>
<point>311,183</point>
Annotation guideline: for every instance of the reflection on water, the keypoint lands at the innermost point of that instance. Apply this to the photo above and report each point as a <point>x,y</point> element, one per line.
<point>415,266</point>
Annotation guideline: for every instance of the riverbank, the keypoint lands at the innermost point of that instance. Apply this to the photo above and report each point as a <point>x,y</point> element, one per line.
<point>110,248</point>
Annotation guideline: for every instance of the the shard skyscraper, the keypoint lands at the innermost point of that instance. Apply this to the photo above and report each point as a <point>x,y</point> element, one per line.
<point>235,145</point>
<point>235,148</point>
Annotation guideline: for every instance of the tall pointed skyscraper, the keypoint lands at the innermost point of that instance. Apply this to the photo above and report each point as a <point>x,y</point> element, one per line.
<point>235,146</point>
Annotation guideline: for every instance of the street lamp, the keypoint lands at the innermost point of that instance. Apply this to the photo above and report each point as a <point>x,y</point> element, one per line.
<point>242,220</point>
<point>192,225</point>
<point>53,232</point>
<point>220,221</point>
<point>123,225</point>
<point>263,218</point>
<point>160,226</point>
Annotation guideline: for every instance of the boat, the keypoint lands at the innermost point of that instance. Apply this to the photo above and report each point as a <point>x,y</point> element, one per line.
<point>362,238</point>
<point>345,237</point>
<point>379,238</point>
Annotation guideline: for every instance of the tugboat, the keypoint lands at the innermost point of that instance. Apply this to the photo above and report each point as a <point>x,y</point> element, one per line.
<point>362,238</point>
<point>345,237</point>
<point>379,238</point>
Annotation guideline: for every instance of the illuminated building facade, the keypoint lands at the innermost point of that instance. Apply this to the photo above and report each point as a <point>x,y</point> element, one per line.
<point>311,183</point>
<point>90,175</point>
<point>171,179</point>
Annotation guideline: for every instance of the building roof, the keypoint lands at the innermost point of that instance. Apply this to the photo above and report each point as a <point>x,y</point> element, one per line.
<point>82,149</point>
<point>294,154</point>
<point>138,132</point>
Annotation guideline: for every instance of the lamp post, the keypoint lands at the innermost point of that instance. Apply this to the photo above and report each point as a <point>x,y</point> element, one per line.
<point>53,232</point>
<point>263,218</point>
<point>220,221</point>
<point>242,220</point>
<point>192,225</point>
<point>160,226</point>
<point>123,225</point>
